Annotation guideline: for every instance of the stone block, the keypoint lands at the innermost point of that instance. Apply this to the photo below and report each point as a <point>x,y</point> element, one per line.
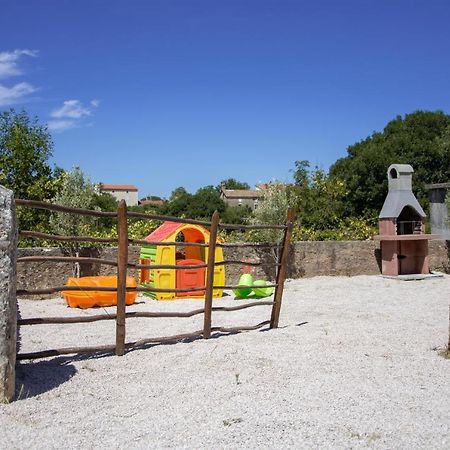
<point>8,302</point>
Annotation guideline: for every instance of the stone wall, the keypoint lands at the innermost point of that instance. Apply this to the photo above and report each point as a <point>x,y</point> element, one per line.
<point>307,259</point>
<point>8,305</point>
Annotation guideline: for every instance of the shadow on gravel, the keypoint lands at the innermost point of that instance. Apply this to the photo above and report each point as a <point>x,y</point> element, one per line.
<point>34,378</point>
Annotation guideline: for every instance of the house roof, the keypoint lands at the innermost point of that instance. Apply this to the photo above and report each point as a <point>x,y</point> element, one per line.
<point>168,229</point>
<point>152,202</point>
<point>241,193</point>
<point>117,187</point>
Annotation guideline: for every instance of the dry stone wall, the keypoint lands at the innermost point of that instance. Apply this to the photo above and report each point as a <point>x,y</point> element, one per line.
<point>306,259</point>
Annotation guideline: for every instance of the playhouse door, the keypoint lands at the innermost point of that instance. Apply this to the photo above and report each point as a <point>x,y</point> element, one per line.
<point>190,278</point>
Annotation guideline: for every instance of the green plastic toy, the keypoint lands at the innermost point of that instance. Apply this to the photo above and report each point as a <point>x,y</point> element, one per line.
<point>245,280</point>
<point>246,286</point>
<point>260,289</point>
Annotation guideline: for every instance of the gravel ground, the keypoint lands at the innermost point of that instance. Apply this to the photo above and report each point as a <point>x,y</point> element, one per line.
<point>353,365</point>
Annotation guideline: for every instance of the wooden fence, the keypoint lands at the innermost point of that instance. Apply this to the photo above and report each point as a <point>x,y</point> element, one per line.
<point>123,265</point>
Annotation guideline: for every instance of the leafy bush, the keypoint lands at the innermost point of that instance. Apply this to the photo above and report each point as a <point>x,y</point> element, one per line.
<point>347,229</point>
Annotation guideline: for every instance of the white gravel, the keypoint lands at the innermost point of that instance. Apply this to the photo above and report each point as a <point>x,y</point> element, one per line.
<point>353,365</point>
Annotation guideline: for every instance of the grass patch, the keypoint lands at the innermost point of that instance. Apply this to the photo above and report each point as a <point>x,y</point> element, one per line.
<point>444,352</point>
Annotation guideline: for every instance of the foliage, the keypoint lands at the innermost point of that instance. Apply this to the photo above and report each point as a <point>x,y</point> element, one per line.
<point>178,203</point>
<point>140,229</point>
<point>25,148</point>
<point>272,210</point>
<point>347,229</point>
<point>236,214</point>
<point>204,202</point>
<point>232,183</point>
<point>200,205</point>
<point>104,202</point>
<point>421,139</point>
<point>317,198</point>
<point>76,192</point>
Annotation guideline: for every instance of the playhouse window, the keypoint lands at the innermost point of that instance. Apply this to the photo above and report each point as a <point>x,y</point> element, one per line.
<point>180,249</point>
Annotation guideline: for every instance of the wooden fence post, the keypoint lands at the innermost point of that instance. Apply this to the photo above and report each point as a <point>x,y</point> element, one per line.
<point>122,262</point>
<point>282,268</point>
<point>210,274</point>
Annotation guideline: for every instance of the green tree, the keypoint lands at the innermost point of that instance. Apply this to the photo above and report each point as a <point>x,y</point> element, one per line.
<point>236,214</point>
<point>204,202</point>
<point>317,198</point>
<point>76,192</point>
<point>25,149</point>
<point>421,139</point>
<point>105,202</point>
<point>272,210</point>
<point>178,203</point>
<point>232,183</point>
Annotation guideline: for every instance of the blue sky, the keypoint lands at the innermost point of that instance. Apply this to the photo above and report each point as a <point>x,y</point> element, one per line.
<point>168,93</point>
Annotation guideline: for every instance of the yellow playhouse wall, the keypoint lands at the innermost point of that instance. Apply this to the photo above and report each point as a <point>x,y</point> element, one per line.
<point>166,278</point>
<point>219,271</point>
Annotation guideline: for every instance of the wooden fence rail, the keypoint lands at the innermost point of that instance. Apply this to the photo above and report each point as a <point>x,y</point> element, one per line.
<point>109,262</point>
<point>122,215</point>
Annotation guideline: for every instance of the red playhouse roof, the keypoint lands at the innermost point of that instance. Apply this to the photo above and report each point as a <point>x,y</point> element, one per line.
<point>163,231</point>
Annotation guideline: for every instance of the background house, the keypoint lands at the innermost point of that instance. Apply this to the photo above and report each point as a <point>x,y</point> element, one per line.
<point>127,192</point>
<point>242,197</point>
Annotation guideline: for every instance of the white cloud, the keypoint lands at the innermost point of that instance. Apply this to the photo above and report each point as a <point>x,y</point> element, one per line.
<point>74,109</point>
<point>71,114</point>
<point>9,67</point>
<point>9,62</point>
<point>61,125</point>
<point>11,95</point>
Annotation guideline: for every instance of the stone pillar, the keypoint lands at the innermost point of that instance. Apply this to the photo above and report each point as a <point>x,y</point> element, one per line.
<point>8,302</point>
<point>438,211</point>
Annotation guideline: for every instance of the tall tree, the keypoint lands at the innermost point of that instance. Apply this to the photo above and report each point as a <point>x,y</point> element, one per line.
<point>232,183</point>
<point>25,149</point>
<point>421,139</point>
<point>77,192</point>
<point>272,210</point>
<point>204,202</point>
<point>178,203</point>
<point>317,198</point>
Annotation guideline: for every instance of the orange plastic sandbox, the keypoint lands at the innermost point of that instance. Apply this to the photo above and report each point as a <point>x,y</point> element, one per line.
<point>88,299</point>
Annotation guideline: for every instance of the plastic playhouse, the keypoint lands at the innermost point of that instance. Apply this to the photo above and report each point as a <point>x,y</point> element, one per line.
<point>89,299</point>
<point>179,255</point>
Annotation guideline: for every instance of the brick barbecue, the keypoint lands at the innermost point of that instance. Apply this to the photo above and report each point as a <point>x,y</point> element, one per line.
<point>404,243</point>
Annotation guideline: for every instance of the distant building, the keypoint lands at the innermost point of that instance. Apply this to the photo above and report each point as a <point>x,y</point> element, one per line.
<point>158,202</point>
<point>243,197</point>
<point>438,209</point>
<point>127,192</point>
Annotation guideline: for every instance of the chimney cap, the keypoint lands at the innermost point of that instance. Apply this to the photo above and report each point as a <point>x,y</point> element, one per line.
<point>396,170</point>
